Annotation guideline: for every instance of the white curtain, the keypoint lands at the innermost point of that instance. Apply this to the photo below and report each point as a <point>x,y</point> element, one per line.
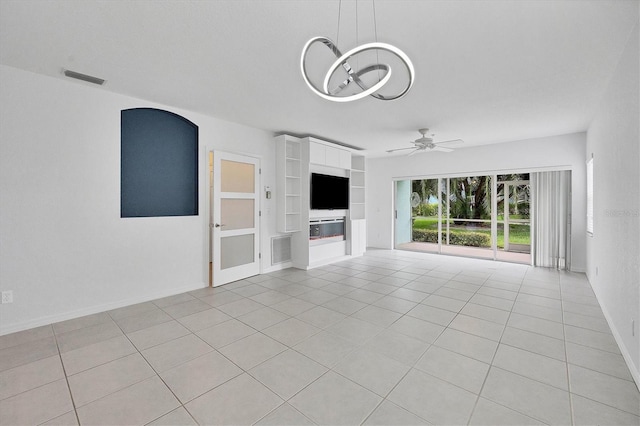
<point>551,233</point>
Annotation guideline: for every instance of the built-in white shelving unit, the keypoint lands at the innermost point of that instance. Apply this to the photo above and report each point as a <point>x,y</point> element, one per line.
<point>289,181</point>
<point>296,159</point>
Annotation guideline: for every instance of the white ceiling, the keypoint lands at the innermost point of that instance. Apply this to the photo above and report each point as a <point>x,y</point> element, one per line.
<point>486,71</point>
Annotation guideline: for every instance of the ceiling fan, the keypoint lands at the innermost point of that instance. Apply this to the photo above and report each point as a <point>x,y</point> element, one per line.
<point>426,143</point>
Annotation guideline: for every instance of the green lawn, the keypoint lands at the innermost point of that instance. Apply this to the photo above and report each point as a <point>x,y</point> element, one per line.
<point>518,234</point>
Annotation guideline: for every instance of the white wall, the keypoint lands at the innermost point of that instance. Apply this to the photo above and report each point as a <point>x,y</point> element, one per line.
<point>613,253</point>
<point>557,152</point>
<point>64,250</point>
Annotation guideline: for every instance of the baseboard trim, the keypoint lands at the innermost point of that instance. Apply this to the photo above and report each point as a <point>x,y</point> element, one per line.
<point>50,319</point>
<point>277,267</point>
<point>633,369</point>
<point>329,261</point>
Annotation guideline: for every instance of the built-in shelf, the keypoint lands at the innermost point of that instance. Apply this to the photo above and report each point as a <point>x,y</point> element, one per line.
<point>357,182</point>
<point>288,178</point>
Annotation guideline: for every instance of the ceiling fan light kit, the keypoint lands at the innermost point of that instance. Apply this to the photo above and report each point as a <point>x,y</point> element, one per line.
<point>354,76</point>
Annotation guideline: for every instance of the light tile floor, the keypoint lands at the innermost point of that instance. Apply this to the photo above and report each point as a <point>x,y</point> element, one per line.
<point>389,338</point>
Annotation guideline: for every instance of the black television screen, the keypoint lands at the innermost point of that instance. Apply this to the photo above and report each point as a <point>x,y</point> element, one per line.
<point>329,192</point>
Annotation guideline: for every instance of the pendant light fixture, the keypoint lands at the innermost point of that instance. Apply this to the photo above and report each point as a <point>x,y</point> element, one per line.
<point>353,76</point>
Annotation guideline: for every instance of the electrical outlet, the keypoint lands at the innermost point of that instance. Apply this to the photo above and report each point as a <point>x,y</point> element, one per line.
<point>7,296</point>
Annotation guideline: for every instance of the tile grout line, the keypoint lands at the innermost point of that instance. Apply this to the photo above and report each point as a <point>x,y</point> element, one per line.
<point>156,373</point>
<point>66,378</point>
<point>493,359</point>
<point>329,369</point>
<point>357,347</point>
<point>566,356</point>
<point>492,366</point>
<point>411,367</point>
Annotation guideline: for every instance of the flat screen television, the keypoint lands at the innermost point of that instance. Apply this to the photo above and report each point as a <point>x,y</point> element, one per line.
<point>329,192</point>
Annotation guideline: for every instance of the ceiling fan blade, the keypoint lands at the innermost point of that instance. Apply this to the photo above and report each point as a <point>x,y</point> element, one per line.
<point>451,141</point>
<point>414,151</point>
<point>441,148</point>
<point>401,149</point>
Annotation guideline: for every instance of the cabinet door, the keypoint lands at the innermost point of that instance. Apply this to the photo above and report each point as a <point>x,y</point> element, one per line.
<point>317,153</point>
<point>358,237</point>
<point>345,159</point>
<point>355,238</point>
<point>332,156</point>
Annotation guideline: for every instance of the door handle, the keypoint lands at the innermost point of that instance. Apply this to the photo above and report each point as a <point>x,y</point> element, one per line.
<point>218,225</point>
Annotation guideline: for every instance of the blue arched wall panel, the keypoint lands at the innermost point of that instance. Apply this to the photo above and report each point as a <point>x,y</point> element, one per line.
<point>159,164</point>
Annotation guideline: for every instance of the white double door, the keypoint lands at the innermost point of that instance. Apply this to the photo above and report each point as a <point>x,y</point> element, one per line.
<point>235,219</point>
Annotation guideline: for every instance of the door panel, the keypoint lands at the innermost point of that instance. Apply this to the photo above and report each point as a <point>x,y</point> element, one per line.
<point>235,217</point>
<point>237,176</point>
<point>237,213</point>
<point>403,212</point>
<point>236,251</point>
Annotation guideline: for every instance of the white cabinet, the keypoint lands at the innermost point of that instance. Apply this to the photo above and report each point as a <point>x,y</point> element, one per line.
<point>345,159</point>
<point>317,153</point>
<point>358,237</point>
<point>325,155</point>
<point>296,159</point>
<point>289,183</point>
<point>332,157</point>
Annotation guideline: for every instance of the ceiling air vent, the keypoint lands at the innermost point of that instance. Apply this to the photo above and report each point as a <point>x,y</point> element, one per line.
<point>84,77</point>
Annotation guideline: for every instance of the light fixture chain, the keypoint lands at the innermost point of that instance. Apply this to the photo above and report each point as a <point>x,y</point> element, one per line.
<point>357,39</point>
<point>375,33</point>
<point>338,35</point>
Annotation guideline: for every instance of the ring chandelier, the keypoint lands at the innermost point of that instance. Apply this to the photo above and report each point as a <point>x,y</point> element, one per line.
<point>353,76</point>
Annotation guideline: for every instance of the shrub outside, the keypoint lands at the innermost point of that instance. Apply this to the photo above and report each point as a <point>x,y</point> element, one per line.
<point>470,239</point>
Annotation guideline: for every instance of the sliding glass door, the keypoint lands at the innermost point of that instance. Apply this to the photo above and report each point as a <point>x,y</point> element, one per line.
<point>513,218</point>
<point>425,213</point>
<point>467,217</point>
<point>484,216</point>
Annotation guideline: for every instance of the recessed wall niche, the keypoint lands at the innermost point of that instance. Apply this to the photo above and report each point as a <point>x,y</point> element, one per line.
<point>159,164</point>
